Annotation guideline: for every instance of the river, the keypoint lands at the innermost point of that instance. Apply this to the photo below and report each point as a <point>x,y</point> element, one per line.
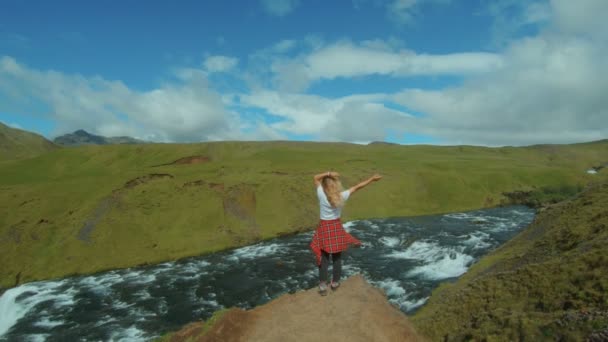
<point>406,257</point>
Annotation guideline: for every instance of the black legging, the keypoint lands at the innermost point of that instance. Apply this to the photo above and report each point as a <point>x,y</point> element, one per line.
<point>337,266</point>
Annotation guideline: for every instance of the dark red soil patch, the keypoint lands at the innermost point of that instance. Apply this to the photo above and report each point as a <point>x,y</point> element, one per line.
<point>216,186</point>
<point>199,182</point>
<point>188,161</point>
<point>144,179</point>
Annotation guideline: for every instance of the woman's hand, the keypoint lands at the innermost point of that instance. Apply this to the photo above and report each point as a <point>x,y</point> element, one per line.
<point>334,174</point>
<point>366,182</point>
<point>376,177</point>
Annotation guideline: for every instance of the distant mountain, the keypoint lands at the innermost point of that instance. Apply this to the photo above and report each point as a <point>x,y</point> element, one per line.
<point>16,143</point>
<point>82,137</point>
<point>385,143</point>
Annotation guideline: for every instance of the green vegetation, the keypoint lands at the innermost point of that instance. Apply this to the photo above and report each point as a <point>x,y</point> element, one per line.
<point>15,143</point>
<point>90,208</point>
<point>548,283</point>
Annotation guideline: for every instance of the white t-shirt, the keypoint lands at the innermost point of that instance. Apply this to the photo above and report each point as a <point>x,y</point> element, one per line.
<point>327,211</point>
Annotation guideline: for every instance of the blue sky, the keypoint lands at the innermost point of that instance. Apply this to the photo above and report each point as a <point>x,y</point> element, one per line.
<point>407,71</point>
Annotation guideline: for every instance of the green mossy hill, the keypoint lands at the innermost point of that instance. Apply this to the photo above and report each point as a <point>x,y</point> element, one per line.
<point>15,143</point>
<point>91,208</point>
<point>548,283</point>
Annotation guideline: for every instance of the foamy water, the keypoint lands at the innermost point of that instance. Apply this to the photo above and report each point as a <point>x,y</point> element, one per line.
<point>405,257</point>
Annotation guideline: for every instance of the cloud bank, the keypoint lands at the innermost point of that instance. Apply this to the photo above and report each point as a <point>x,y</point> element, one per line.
<point>546,87</point>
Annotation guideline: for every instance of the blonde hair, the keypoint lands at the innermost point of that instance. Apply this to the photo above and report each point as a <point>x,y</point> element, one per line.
<point>332,188</point>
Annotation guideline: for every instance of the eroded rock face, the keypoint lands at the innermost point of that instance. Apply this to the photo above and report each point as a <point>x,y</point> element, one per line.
<point>355,312</point>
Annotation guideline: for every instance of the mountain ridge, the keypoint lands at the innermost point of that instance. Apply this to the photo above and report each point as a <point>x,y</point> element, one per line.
<point>82,137</point>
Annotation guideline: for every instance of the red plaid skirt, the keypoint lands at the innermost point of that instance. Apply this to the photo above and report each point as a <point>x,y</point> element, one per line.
<point>331,237</point>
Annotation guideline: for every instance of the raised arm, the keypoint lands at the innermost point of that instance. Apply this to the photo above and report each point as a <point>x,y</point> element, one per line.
<point>318,178</point>
<point>363,184</point>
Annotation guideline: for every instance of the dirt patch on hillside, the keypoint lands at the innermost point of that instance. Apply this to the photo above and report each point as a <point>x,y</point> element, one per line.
<point>199,182</point>
<point>239,203</point>
<point>217,187</point>
<point>355,312</point>
<point>14,233</point>
<point>144,179</point>
<point>107,203</point>
<point>188,161</point>
<point>89,225</point>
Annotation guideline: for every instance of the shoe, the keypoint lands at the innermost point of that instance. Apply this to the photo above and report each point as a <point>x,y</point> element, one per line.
<point>323,289</point>
<point>334,286</point>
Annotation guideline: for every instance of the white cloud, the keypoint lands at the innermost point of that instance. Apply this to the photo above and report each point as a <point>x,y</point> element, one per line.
<point>586,17</point>
<point>185,111</point>
<point>284,46</point>
<point>361,118</point>
<point>220,63</point>
<point>348,60</point>
<point>552,91</point>
<point>402,10</point>
<point>406,11</point>
<point>546,88</point>
<point>364,122</point>
<point>279,7</point>
<point>511,17</point>
<point>536,12</point>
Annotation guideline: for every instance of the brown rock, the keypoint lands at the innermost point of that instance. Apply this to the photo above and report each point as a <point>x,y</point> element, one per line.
<point>355,312</point>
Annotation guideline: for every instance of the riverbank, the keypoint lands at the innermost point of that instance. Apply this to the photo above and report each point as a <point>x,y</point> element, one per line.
<point>548,283</point>
<point>92,208</point>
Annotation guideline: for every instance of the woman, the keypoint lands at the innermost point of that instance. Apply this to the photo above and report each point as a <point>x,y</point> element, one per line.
<point>330,238</point>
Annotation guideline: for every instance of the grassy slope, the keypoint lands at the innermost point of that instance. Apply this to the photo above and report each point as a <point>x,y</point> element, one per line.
<point>548,283</point>
<point>15,143</point>
<point>248,191</point>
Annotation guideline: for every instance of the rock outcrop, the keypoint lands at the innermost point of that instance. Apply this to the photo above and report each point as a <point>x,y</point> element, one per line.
<point>355,312</point>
